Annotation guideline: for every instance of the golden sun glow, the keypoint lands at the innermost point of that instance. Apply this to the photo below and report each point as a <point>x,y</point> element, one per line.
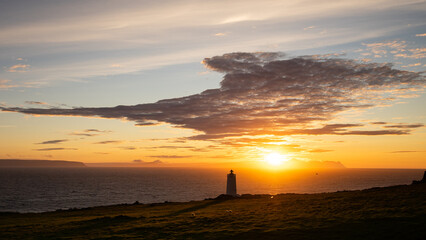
<point>275,159</point>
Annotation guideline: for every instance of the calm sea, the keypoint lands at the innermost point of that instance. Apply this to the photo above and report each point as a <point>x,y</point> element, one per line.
<point>39,190</point>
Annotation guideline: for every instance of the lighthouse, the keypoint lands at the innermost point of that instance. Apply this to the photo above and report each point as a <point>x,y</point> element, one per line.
<point>231,184</point>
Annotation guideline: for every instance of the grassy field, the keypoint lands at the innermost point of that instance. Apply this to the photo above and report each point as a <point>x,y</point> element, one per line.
<point>380,213</point>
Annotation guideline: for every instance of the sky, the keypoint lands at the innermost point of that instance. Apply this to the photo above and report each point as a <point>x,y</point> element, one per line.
<point>214,82</point>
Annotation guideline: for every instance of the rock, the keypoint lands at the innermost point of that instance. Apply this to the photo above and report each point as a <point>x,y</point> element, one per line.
<point>421,181</point>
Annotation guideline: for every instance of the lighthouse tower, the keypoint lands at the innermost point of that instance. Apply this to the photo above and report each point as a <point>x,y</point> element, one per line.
<point>231,184</point>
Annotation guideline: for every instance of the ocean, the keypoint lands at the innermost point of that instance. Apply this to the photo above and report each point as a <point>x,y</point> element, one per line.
<point>50,189</point>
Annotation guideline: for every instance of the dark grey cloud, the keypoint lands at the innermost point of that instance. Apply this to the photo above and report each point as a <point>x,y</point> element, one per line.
<point>54,149</point>
<point>265,93</point>
<point>53,141</point>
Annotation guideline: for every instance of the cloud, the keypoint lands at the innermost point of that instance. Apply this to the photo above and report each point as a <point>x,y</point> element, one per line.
<point>307,28</point>
<point>108,142</point>
<point>406,151</point>
<point>405,126</point>
<point>170,156</point>
<point>412,65</point>
<point>89,132</point>
<point>421,35</point>
<point>170,147</point>
<point>340,129</point>
<point>379,123</point>
<point>54,141</point>
<point>138,161</point>
<point>18,68</point>
<point>55,149</point>
<point>396,49</point>
<point>267,93</point>
<point>5,84</point>
<point>96,130</point>
<point>128,148</point>
<point>83,134</point>
<point>320,150</point>
<point>35,103</point>
<point>415,53</point>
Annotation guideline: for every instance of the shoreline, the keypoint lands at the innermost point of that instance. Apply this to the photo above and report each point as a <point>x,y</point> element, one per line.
<point>394,212</point>
<point>217,198</point>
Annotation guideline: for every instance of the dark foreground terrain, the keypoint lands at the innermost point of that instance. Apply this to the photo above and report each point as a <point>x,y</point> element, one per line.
<point>380,213</point>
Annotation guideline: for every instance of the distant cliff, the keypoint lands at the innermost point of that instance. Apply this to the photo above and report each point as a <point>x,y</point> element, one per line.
<point>38,163</point>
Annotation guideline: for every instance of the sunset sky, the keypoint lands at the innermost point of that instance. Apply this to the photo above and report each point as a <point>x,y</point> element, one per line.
<point>190,82</point>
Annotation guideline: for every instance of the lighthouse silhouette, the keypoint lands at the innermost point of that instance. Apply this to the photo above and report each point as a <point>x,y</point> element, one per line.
<point>231,184</point>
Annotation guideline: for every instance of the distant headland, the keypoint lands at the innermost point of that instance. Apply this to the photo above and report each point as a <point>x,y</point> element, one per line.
<point>4,163</point>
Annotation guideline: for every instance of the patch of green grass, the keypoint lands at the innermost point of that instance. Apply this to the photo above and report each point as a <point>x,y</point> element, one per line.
<point>381,213</point>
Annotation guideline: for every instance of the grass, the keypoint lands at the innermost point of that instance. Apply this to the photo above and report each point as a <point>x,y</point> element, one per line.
<point>380,213</point>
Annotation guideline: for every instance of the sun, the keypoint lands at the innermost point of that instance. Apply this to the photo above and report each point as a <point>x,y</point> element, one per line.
<point>275,159</point>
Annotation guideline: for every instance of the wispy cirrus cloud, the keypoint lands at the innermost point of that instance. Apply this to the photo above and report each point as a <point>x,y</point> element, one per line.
<point>120,36</point>
<point>54,149</point>
<point>35,103</point>
<point>5,84</point>
<point>170,156</point>
<point>320,150</point>
<point>128,148</point>
<point>8,84</point>
<point>406,151</point>
<point>378,123</point>
<point>18,68</point>
<point>405,126</point>
<point>109,142</point>
<point>53,141</point>
<point>267,93</point>
<point>170,147</point>
<point>89,132</point>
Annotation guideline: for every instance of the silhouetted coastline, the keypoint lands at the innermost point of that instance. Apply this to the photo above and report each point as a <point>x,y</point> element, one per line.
<point>396,212</point>
<point>4,163</point>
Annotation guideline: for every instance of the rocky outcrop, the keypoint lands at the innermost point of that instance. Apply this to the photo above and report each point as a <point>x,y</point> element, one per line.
<point>421,181</point>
